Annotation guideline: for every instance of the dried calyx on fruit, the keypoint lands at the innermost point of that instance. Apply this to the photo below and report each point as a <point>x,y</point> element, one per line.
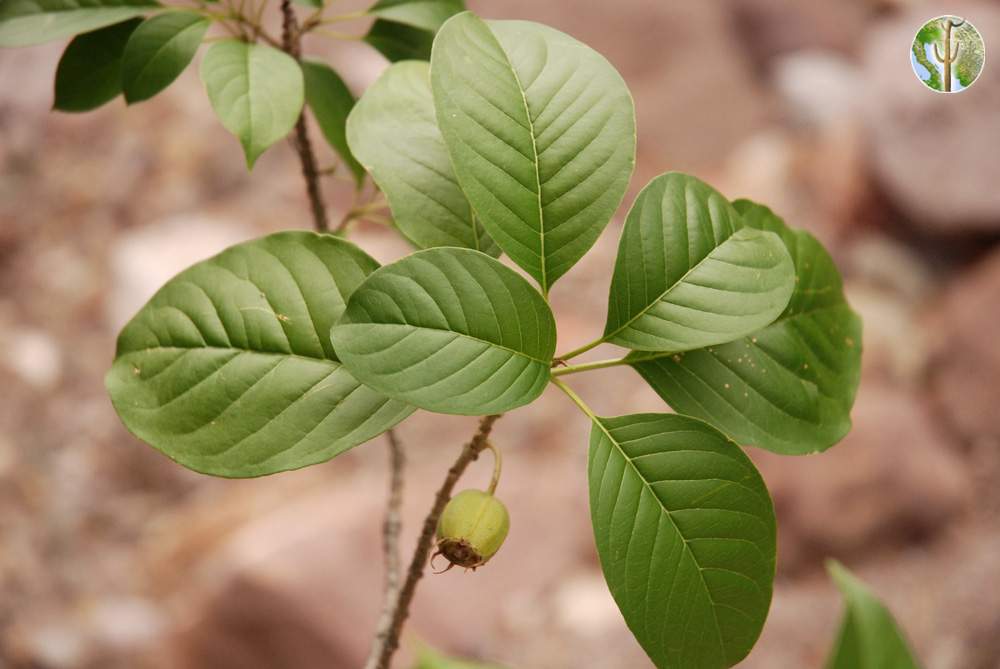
<point>473,524</point>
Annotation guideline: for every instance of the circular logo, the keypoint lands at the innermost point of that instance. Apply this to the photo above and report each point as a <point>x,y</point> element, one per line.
<point>948,54</point>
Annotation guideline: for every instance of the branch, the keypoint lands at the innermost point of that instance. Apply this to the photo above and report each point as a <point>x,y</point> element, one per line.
<point>384,648</point>
<point>937,53</point>
<point>390,547</point>
<point>291,43</point>
<point>598,364</point>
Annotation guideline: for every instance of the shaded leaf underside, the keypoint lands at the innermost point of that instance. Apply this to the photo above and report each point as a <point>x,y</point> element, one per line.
<point>541,131</point>
<point>229,369</point>
<point>449,330</point>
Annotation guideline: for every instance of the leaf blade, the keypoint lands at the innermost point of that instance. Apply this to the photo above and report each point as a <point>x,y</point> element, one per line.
<point>394,133</point>
<point>228,370</point>
<point>685,532</point>
<point>89,71</point>
<point>28,22</point>
<point>397,41</point>
<point>256,91</point>
<point>541,130</point>
<point>478,339</point>
<point>331,102</point>
<point>404,29</point>
<point>689,275</point>
<point>158,51</point>
<point>869,637</point>
<point>427,15</point>
<point>789,387</point>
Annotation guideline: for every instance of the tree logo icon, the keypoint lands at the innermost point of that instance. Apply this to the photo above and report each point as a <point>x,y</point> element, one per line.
<point>948,54</point>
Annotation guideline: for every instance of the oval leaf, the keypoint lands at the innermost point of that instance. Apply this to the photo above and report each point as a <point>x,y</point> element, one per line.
<point>90,69</point>
<point>685,531</point>
<point>449,330</point>
<point>331,101</point>
<point>158,52</point>
<point>399,42</point>
<point>229,370</point>
<point>26,22</point>
<point>425,14</point>
<point>405,29</point>
<point>869,637</point>
<point>541,130</point>
<point>256,91</point>
<point>788,388</point>
<point>688,275</point>
<point>393,133</point>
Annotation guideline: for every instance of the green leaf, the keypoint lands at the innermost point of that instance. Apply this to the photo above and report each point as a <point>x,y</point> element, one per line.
<point>541,130</point>
<point>393,133</point>
<point>229,369</point>
<point>788,388</point>
<point>869,637</point>
<point>405,28</point>
<point>158,52</point>
<point>428,15</point>
<point>331,102</point>
<point>398,42</point>
<point>310,3</point>
<point>256,91</point>
<point>90,70</point>
<point>449,330</point>
<point>689,275</point>
<point>685,531</point>
<point>27,22</point>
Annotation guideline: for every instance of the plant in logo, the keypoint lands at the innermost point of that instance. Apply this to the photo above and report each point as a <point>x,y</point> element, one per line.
<point>947,54</point>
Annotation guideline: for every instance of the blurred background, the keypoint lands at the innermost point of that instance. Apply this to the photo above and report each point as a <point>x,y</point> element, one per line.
<point>112,556</point>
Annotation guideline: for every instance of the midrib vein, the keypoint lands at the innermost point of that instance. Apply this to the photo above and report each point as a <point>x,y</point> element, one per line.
<point>669,514</point>
<point>538,178</point>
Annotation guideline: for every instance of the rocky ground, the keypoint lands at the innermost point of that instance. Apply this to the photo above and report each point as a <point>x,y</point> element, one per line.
<point>112,556</point>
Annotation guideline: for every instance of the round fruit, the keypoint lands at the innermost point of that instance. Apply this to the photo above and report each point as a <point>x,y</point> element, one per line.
<point>472,528</point>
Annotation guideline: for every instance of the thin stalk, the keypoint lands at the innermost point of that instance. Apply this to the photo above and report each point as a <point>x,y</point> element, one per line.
<point>613,362</point>
<point>497,467</point>
<point>316,19</point>
<point>391,527</point>
<point>580,351</point>
<point>577,400</point>
<point>258,17</point>
<point>291,42</point>
<point>587,366</point>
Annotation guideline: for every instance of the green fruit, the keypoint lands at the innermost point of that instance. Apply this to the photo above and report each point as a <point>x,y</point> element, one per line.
<point>472,528</point>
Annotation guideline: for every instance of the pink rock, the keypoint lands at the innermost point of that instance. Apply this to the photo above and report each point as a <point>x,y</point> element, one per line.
<point>893,480</point>
<point>966,363</point>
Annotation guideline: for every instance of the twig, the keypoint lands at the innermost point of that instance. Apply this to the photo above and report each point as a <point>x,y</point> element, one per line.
<point>391,527</point>
<point>291,42</point>
<point>384,648</point>
<point>360,211</point>
<point>397,600</point>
